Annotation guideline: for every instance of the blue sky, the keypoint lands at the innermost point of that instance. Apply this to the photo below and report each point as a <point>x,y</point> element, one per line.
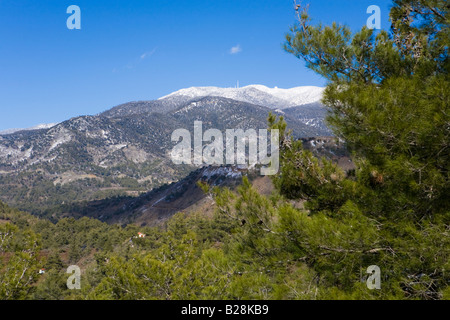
<point>130,50</point>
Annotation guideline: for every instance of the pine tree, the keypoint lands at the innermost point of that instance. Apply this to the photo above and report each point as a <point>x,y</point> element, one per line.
<point>388,99</point>
<point>19,262</point>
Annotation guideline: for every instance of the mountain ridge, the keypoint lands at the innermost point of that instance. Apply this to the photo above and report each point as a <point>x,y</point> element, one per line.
<point>125,151</point>
<point>275,98</point>
<point>36,127</point>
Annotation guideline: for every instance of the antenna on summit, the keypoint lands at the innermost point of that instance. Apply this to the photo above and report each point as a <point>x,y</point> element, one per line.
<point>237,85</point>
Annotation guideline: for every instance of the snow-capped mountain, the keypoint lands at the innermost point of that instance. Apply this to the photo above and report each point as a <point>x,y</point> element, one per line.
<point>275,98</point>
<point>303,103</point>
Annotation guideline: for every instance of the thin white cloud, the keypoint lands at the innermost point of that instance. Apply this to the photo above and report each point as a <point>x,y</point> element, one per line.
<point>147,54</point>
<point>236,49</point>
<point>136,61</point>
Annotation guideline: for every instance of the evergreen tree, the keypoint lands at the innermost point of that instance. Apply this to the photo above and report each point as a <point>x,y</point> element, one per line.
<point>388,99</point>
<point>19,263</point>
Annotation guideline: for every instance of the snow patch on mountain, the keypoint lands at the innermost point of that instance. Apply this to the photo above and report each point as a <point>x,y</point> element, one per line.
<point>231,172</point>
<point>61,138</point>
<point>295,96</point>
<point>275,98</point>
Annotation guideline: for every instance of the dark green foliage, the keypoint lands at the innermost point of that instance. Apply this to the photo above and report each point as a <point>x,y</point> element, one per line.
<point>18,261</point>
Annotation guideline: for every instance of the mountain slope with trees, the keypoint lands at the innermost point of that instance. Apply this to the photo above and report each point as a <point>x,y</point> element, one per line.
<point>123,152</point>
